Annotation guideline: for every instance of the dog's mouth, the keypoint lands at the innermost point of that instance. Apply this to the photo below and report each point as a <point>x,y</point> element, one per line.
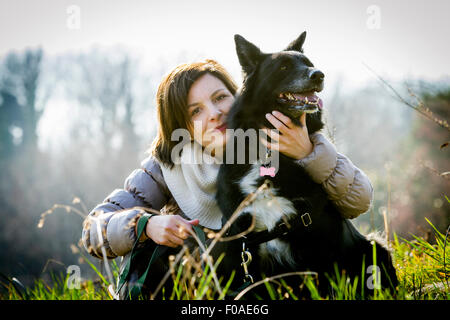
<point>306,102</point>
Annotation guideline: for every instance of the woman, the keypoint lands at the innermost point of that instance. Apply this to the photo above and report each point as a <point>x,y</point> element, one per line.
<point>202,93</point>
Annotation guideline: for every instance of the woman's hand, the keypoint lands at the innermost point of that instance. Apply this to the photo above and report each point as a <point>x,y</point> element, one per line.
<point>293,141</point>
<point>169,230</point>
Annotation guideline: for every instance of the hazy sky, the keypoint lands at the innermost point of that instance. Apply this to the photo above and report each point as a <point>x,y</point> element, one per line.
<point>397,39</point>
<point>410,38</point>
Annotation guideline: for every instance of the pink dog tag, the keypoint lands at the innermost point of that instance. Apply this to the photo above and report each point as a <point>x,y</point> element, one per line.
<point>263,171</point>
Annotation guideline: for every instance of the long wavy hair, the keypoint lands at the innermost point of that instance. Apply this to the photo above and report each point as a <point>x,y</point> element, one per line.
<point>171,103</point>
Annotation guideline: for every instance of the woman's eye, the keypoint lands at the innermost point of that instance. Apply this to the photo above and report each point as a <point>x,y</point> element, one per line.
<point>195,111</point>
<point>221,97</point>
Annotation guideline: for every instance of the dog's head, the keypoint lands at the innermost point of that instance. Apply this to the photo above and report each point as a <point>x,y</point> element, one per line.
<point>286,81</point>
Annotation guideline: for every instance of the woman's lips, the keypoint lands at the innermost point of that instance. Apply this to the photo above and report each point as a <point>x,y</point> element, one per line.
<point>222,127</point>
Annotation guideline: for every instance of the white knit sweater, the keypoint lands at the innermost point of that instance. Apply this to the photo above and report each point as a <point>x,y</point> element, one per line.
<point>192,183</point>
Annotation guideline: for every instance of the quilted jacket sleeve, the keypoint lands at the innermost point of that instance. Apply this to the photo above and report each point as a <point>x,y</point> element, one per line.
<point>346,185</point>
<point>116,216</point>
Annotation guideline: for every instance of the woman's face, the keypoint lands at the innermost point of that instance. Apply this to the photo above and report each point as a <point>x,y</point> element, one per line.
<point>209,102</point>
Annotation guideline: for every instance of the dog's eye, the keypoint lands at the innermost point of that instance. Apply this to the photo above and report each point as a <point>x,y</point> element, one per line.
<point>283,67</point>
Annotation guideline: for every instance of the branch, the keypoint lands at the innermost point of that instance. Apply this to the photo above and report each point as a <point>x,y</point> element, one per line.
<point>421,108</point>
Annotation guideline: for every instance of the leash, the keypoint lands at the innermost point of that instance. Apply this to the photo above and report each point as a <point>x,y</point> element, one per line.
<point>256,238</point>
<point>135,290</point>
<point>281,229</point>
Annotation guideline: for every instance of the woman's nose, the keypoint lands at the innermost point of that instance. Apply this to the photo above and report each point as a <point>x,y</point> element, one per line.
<point>216,113</point>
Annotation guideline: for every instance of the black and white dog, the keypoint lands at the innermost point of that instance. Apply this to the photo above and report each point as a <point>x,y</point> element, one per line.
<point>296,227</point>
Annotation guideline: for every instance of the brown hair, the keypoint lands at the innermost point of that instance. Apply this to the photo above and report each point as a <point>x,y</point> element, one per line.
<point>171,103</point>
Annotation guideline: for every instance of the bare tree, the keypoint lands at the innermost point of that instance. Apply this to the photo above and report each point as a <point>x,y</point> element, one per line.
<point>21,79</point>
<point>130,144</point>
<point>106,87</point>
<point>11,118</point>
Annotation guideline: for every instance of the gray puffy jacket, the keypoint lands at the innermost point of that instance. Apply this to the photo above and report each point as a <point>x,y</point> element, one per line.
<point>347,187</point>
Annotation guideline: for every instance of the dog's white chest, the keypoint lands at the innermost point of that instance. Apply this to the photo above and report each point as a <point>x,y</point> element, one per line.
<point>268,209</point>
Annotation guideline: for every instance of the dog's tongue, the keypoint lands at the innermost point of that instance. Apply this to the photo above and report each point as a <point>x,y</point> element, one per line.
<point>311,98</point>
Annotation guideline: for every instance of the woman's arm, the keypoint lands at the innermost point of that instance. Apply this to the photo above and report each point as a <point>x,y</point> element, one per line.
<point>116,216</point>
<point>346,185</point>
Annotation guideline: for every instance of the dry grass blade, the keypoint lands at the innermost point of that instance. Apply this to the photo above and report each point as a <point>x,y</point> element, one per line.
<point>386,225</point>
<point>51,261</point>
<point>102,246</point>
<point>218,237</point>
<point>208,259</point>
<point>246,202</point>
<point>168,273</point>
<point>56,206</point>
<point>271,279</point>
<point>445,244</point>
<point>445,175</point>
<point>241,234</point>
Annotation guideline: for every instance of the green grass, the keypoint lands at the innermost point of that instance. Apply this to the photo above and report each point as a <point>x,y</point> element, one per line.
<point>423,271</point>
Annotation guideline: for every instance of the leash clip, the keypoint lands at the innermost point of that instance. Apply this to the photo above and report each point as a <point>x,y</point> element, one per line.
<point>246,259</point>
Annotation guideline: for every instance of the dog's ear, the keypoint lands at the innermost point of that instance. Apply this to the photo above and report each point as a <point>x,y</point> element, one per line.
<point>297,44</point>
<point>249,55</point>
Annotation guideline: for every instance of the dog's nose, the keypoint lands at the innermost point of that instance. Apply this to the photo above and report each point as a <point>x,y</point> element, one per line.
<point>317,75</point>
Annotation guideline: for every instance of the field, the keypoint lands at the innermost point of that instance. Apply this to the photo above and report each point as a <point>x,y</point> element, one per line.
<point>422,268</point>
